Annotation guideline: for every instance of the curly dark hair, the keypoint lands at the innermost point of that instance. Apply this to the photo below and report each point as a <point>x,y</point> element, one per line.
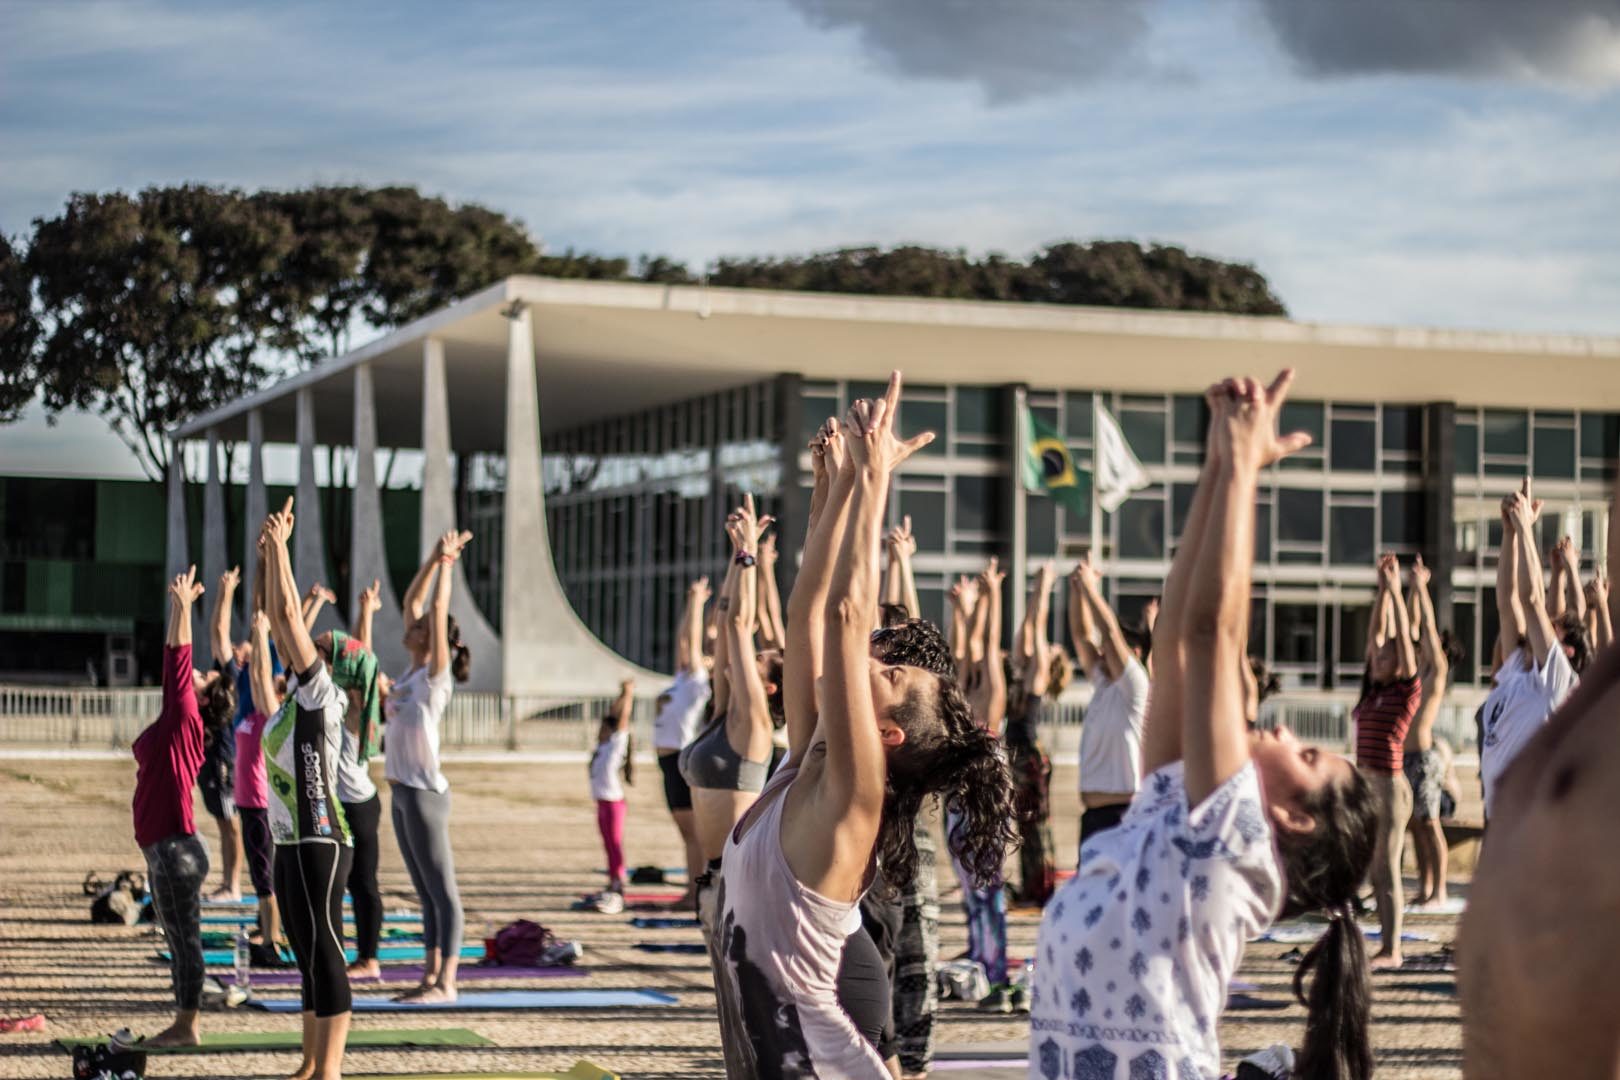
<point>915,643</point>
<point>1324,869</point>
<point>946,754</point>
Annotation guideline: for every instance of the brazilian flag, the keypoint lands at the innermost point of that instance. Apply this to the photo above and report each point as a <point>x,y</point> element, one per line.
<point>1049,467</point>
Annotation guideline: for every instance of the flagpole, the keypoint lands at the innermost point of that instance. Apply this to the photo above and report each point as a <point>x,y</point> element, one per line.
<point>1018,557</point>
<point>1096,506</point>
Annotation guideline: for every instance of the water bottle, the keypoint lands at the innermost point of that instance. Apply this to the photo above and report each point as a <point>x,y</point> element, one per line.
<point>244,960</point>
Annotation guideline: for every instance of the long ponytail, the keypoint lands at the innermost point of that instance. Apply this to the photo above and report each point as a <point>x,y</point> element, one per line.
<point>460,655</point>
<point>1324,869</point>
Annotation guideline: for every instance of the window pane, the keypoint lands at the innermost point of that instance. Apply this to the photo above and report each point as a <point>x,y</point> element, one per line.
<point>917,417</point>
<point>1257,627</point>
<point>1354,448</point>
<point>978,503</point>
<point>1467,444</point>
<point>1141,528</point>
<point>1077,415</point>
<point>1145,433</point>
<point>1555,452</point>
<point>1181,497</point>
<point>927,510</point>
<point>1462,614</point>
<point>1304,416</point>
<point>1351,540</point>
<point>855,390</point>
<point>1353,622</point>
<point>1040,519</point>
<point>1191,420</point>
<point>814,412</point>
<point>1296,637</point>
<point>1403,429</point>
<point>1403,517</point>
<point>976,411</point>
<point>1600,435</point>
<point>1262,533</point>
<point>1299,515</point>
<point>1077,524</point>
<point>1506,432</point>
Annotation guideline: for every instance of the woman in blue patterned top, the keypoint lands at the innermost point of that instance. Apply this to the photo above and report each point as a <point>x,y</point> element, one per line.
<point>1137,950</point>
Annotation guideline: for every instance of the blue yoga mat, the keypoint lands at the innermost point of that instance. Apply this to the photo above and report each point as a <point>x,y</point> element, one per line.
<point>227,957</point>
<point>654,923</point>
<point>692,947</point>
<point>247,918</point>
<point>480,1000</point>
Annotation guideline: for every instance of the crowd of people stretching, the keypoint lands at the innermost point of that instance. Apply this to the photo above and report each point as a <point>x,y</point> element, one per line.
<point>803,749</point>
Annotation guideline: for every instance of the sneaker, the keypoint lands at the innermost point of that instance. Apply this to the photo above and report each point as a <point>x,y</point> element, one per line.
<point>262,956</point>
<point>609,903</point>
<point>1018,997</point>
<point>559,954</point>
<point>998,1000</point>
<point>1275,1062</point>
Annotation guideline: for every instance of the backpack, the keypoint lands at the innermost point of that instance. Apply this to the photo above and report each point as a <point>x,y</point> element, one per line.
<point>123,903</point>
<point>103,1061</point>
<point>520,944</point>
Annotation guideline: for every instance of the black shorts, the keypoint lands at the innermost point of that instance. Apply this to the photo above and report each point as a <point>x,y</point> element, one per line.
<point>217,779</point>
<point>258,849</point>
<point>676,791</point>
<point>863,992</point>
<point>1101,819</point>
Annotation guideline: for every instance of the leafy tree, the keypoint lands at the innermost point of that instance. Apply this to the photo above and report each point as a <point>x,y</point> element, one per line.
<point>319,290</point>
<point>151,308</point>
<point>19,333</point>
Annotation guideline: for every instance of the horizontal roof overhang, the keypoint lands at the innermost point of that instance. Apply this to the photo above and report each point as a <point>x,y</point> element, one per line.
<point>609,348</point>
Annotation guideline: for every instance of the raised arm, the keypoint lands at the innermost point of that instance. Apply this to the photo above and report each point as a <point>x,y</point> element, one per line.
<point>1599,618</point>
<point>366,605</point>
<point>802,660</point>
<point>1214,733</point>
<point>689,634</point>
<point>720,678</point>
<point>991,703</point>
<point>1378,625</point>
<point>219,627</point>
<point>1538,627</point>
<point>1037,656</point>
<point>281,593</point>
<point>623,705</point>
<point>317,597</point>
<point>261,676</point>
<point>747,703</point>
<point>1557,596</point>
<point>449,550</point>
<point>964,600</point>
<point>179,698</point>
<point>1082,620</point>
<point>1432,651</point>
<point>848,798</point>
<point>1116,654</point>
<point>772,629</point>
<point>1509,611</point>
<point>902,547</point>
<point>1389,572</point>
<point>1569,557</point>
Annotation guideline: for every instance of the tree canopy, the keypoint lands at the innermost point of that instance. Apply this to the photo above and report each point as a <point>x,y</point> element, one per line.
<point>155,307</point>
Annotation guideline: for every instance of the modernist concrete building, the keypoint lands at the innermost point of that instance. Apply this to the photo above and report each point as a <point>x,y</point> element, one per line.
<point>593,434</point>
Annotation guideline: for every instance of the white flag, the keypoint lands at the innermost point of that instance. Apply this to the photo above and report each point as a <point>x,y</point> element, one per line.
<point>1115,471</point>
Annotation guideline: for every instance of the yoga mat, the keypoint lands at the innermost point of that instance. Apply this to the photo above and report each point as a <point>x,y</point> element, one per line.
<point>582,1070</point>
<point>1454,905</point>
<point>227,957</point>
<point>224,939</point>
<point>653,898</point>
<point>642,923</point>
<point>1009,1050</point>
<point>1305,935</point>
<point>248,918</point>
<point>411,974</point>
<point>1250,1003</point>
<point>214,1042</point>
<point>481,1000</point>
<point>982,1065</point>
<point>693,948</point>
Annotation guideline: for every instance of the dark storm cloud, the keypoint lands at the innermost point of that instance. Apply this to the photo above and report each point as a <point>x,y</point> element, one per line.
<point>1575,41</point>
<point>1015,49</point>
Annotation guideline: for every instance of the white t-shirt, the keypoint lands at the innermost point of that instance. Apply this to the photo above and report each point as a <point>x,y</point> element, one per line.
<point>1137,949</point>
<point>354,783</point>
<point>607,767</point>
<point>1111,735</point>
<point>680,710</point>
<point>1522,700</point>
<point>415,708</point>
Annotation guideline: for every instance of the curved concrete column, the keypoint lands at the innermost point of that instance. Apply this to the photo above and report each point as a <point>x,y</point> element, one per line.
<point>545,648</point>
<point>309,539</point>
<point>254,510</point>
<point>215,555</point>
<point>368,558</point>
<point>438,516</point>
<point>176,556</point>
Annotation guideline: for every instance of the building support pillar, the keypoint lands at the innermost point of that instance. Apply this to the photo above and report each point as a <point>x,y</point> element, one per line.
<point>178,546</point>
<point>368,558</point>
<point>793,505</point>
<point>1440,506</point>
<point>254,512</point>
<point>524,547</point>
<point>438,516</point>
<point>215,547</point>
<point>309,536</point>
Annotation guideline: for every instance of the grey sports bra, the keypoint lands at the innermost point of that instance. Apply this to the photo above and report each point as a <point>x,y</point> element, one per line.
<point>708,761</point>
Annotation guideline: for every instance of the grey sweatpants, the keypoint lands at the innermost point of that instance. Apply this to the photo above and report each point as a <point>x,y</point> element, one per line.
<point>176,868</point>
<point>422,827</point>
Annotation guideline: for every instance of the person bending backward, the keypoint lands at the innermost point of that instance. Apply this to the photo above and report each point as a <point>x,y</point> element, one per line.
<point>725,765</point>
<point>1422,762</point>
<point>1536,949</point>
<point>1390,695</point>
<point>252,785</point>
<point>1539,669</point>
<point>302,745</point>
<point>1111,736</point>
<point>1039,671</point>
<point>883,738</point>
<point>420,792</point>
<point>362,807</point>
<point>679,715</point>
<point>1136,951</point>
<point>168,754</point>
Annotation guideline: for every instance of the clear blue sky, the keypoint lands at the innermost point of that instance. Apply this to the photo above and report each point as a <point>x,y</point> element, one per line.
<point>1450,162</point>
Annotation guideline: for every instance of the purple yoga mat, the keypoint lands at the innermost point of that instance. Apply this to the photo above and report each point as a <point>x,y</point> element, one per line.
<point>412,974</point>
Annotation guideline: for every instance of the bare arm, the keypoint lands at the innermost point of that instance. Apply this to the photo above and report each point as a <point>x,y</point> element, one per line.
<point>219,627</point>
<point>1557,597</point>
<point>902,547</point>
<point>623,705</point>
<point>1509,612</point>
<point>281,593</point>
<point>1598,613</point>
<point>689,640</point>
<point>806,611</point>
<point>366,606</point>
<point>772,627</point>
<point>1532,589</point>
<point>183,592</point>
<point>261,677</point>
<point>992,704</point>
<point>318,597</point>
<point>449,550</point>
<point>1378,625</point>
<point>747,709</point>
<point>416,595</point>
<point>1405,655</point>
<point>1429,644</point>
<point>1038,659</point>
<point>1570,558</point>
<point>1082,622</point>
<point>1115,653</point>
<point>963,601</point>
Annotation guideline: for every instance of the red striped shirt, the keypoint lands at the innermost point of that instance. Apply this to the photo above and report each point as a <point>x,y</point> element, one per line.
<point>1381,722</point>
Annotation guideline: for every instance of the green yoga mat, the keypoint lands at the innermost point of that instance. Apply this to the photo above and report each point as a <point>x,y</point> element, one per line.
<point>216,1042</point>
<point>227,957</point>
<point>224,939</point>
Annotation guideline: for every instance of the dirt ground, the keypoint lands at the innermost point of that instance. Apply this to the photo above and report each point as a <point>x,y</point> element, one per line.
<point>526,845</point>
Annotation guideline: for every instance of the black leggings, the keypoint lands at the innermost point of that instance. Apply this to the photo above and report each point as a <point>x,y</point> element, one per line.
<point>309,891</point>
<point>863,991</point>
<point>364,818</point>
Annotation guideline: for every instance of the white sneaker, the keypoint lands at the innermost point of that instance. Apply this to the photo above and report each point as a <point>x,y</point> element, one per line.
<point>609,903</point>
